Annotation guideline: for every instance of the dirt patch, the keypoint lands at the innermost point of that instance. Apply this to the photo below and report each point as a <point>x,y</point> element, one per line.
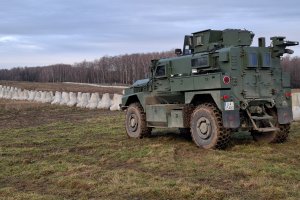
<point>20,114</point>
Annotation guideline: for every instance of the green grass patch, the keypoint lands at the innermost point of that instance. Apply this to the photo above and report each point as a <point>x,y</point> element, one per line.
<point>91,157</point>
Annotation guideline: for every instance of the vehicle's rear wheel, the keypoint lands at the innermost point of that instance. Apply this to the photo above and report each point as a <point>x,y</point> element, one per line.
<point>279,136</point>
<point>207,127</point>
<point>283,134</point>
<point>261,137</point>
<point>274,136</point>
<point>135,122</point>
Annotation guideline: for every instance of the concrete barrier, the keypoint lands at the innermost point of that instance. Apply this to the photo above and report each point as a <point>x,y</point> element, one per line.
<point>79,99</point>
<point>93,102</point>
<point>82,100</point>
<point>32,94</point>
<point>296,106</point>
<point>38,96</point>
<point>105,102</point>
<point>73,99</point>
<point>48,97</point>
<point>116,101</point>
<point>65,98</point>
<point>57,98</point>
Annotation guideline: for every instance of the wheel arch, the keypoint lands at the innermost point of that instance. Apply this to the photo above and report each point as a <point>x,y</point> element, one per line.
<point>127,100</point>
<point>197,98</point>
<point>231,119</point>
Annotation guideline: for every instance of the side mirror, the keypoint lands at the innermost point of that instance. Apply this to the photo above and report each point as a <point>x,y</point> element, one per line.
<point>178,52</point>
<point>153,64</point>
<point>152,69</point>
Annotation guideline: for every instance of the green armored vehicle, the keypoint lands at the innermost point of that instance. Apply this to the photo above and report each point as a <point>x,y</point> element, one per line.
<point>217,85</point>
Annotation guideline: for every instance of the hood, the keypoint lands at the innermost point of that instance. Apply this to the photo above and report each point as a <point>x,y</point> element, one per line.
<point>140,83</point>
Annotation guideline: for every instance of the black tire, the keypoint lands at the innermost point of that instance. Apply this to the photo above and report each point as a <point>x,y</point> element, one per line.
<point>279,136</point>
<point>207,127</point>
<point>283,134</point>
<point>135,122</point>
<point>274,136</point>
<point>263,138</point>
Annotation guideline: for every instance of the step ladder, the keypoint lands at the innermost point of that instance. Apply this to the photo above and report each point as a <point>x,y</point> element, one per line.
<point>266,117</point>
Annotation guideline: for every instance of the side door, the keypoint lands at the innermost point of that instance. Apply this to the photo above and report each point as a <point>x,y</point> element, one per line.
<point>161,82</point>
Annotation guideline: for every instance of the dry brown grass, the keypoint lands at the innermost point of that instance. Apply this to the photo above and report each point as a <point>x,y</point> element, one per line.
<point>22,114</point>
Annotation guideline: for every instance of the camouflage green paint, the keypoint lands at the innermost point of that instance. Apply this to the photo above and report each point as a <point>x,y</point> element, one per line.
<point>220,67</point>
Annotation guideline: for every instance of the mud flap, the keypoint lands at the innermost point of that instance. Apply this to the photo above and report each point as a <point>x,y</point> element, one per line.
<point>231,119</point>
<point>285,115</point>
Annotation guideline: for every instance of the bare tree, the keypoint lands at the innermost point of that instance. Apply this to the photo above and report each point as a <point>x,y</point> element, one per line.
<point>123,69</point>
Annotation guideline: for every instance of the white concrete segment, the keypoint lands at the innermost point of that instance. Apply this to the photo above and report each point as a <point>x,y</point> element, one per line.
<point>116,101</point>
<point>43,97</point>
<point>82,100</point>
<point>38,96</point>
<point>26,95</point>
<point>296,106</point>
<point>57,98</point>
<point>65,98</point>
<point>73,99</point>
<point>93,102</point>
<point>105,102</point>
<point>48,97</point>
<point>32,94</point>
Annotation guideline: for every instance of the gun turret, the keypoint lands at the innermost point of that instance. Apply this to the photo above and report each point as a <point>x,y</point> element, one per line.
<point>211,40</point>
<point>279,46</point>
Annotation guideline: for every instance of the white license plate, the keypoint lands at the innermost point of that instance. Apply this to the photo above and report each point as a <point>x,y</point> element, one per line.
<point>229,105</point>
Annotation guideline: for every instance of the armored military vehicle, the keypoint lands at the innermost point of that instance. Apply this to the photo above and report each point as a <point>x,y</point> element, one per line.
<point>216,85</point>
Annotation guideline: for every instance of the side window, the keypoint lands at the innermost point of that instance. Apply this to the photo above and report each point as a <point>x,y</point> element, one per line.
<point>160,71</point>
<point>267,60</point>
<point>200,62</point>
<point>253,61</point>
<point>199,41</point>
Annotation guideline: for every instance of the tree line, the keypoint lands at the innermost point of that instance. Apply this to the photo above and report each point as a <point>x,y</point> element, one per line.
<point>292,65</point>
<point>123,69</point>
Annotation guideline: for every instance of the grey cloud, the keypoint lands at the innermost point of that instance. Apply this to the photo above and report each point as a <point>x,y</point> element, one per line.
<point>82,29</point>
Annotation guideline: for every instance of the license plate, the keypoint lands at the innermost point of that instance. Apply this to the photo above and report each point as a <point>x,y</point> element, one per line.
<point>229,105</point>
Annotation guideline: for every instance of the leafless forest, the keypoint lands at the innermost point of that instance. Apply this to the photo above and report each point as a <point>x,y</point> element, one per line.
<point>123,69</point>
<point>292,65</point>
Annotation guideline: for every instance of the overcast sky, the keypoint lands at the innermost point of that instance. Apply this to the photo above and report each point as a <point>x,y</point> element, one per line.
<point>42,32</point>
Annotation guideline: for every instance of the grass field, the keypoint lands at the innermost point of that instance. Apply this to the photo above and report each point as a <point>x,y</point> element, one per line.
<point>52,152</point>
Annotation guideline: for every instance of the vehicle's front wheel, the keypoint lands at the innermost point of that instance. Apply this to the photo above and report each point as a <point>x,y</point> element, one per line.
<point>207,127</point>
<point>135,122</point>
